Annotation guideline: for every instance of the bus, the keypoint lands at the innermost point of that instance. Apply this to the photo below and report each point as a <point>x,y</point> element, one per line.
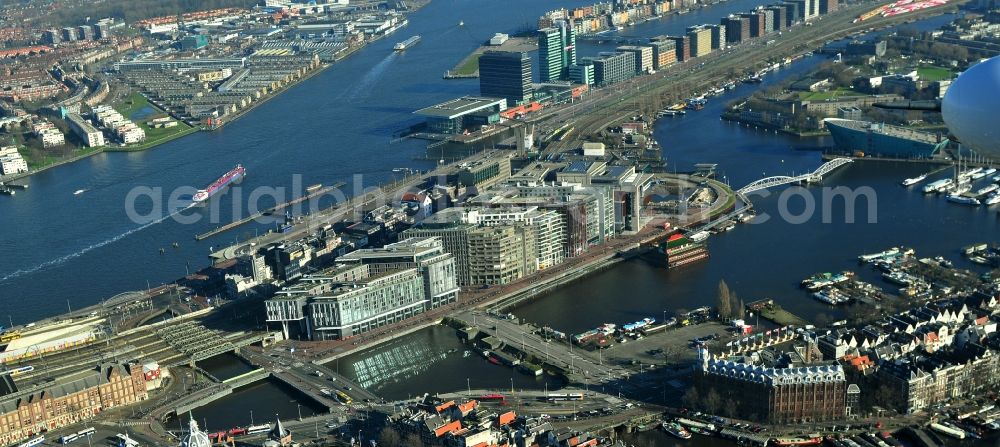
<point>86,432</point>
<point>68,438</point>
<point>344,398</point>
<point>557,397</point>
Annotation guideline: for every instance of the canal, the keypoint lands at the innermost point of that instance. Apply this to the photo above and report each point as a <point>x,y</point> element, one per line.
<point>432,360</point>
<point>257,403</point>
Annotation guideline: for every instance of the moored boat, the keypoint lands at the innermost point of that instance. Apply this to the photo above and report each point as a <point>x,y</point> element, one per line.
<point>797,441</point>
<point>676,430</point>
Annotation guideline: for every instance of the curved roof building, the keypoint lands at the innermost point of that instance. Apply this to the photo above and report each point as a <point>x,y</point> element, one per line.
<point>970,106</point>
<point>883,140</point>
<point>195,437</point>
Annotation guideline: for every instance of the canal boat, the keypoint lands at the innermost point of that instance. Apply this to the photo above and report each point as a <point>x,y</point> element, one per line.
<point>676,430</point>
<point>797,441</point>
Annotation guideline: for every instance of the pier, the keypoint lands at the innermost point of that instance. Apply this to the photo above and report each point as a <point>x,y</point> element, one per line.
<point>267,212</point>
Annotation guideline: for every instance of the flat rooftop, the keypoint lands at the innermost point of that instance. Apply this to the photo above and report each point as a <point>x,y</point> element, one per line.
<point>461,106</point>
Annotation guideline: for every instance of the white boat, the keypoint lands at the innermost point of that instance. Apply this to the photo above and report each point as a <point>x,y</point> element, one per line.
<point>993,199</point>
<point>987,189</point>
<point>957,198</point>
<point>937,185</point>
<point>831,296</point>
<point>970,172</point>
<point>699,236</point>
<point>79,191</point>
<point>960,188</point>
<point>950,431</point>
<point>914,180</point>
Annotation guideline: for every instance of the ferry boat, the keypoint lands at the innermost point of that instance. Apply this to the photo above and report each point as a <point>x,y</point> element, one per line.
<point>914,180</point>
<point>956,198</point>
<point>233,176</point>
<point>402,46</point>
<point>677,430</point>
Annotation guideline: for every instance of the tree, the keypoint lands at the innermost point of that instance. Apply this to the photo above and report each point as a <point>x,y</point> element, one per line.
<point>691,397</point>
<point>712,401</point>
<point>389,437</point>
<point>724,300</point>
<point>729,408</point>
<point>413,440</point>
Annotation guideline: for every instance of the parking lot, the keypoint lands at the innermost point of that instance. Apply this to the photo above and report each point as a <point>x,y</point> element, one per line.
<point>672,346</point>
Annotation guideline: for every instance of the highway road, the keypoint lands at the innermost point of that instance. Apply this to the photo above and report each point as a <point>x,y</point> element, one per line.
<point>304,374</point>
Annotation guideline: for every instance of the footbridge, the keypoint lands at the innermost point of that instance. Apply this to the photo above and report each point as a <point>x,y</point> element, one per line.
<point>815,176</point>
<point>247,378</point>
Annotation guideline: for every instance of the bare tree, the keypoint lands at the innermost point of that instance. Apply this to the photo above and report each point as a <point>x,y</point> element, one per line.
<point>724,303</point>
<point>389,437</point>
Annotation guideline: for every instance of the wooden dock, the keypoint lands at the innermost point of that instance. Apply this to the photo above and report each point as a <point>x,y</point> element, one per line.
<point>269,211</point>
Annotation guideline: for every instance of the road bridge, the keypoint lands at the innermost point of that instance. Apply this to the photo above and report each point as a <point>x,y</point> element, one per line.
<point>580,365</point>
